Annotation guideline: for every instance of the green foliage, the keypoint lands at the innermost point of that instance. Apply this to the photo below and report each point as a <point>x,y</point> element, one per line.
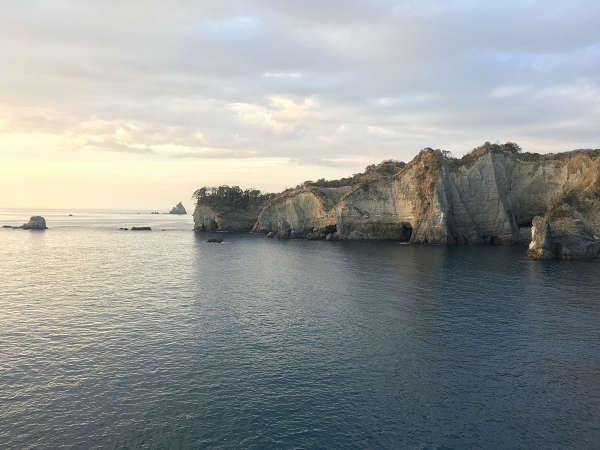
<point>386,168</point>
<point>230,196</point>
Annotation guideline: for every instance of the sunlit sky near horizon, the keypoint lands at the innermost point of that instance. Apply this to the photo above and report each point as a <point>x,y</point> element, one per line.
<point>136,104</point>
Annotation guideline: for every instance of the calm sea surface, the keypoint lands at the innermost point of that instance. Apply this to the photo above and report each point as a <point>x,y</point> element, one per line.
<point>158,339</point>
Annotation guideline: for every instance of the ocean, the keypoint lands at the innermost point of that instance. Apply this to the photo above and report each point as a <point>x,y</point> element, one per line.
<point>158,339</point>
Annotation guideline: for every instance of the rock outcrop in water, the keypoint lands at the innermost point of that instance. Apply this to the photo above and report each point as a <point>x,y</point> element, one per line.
<point>491,196</point>
<point>178,209</point>
<point>35,223</point>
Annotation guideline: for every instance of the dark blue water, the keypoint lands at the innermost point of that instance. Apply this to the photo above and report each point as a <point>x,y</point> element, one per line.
<point>159,339</point>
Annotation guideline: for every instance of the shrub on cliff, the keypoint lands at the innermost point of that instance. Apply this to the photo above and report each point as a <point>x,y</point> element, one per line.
<point>384,169</point>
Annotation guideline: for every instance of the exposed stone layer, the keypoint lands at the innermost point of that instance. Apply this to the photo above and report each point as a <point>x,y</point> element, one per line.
<point>207,218</point>
<point>489,196</point>
<point>570,229</point>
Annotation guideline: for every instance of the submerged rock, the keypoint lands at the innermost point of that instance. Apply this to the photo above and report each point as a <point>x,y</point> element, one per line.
<point>35,223</point>
<point>178,209</point>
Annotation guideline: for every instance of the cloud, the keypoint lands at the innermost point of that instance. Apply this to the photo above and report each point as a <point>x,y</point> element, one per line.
<point>112,146</point>
<point>308,81</point>
<point>280,114</point>
<point>283,75</point>
<point>215,153</point>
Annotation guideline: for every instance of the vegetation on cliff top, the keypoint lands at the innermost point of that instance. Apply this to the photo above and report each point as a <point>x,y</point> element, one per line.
<point>386,168</point>
<point>231,197</point>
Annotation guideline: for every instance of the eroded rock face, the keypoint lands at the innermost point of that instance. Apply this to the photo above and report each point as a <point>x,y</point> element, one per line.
<point>306,214</point>
<point>566,238</point>
<point>570,229</point>
<point>490,196</point>
<point>207,218</point>
<point>35,223</point>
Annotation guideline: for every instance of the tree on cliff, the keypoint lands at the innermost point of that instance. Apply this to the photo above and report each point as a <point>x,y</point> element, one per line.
<point>230,196</point>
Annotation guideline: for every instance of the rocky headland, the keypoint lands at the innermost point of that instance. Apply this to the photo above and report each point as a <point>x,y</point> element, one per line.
<point>494,195</point>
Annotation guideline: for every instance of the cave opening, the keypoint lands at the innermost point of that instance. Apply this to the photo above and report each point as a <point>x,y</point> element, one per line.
<point>406,232</point>
<point>330,229</point>
<point>525,223</point>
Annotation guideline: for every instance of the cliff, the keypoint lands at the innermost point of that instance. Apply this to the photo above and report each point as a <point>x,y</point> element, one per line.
<point>570,228</point>
<point>212,218</point>
<point>490,196</point>
<point>226,208</point>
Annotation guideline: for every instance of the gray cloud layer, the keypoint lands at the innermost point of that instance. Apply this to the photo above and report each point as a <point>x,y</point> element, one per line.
<point>311,81</point>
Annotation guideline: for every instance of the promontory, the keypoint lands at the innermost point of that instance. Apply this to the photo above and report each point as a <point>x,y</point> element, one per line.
<point>495,194</point>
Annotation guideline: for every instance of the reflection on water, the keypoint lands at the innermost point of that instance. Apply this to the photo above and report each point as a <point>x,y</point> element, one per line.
<point>158,339</point>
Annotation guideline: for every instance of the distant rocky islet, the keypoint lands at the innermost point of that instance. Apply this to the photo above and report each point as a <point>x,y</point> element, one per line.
<point>178,209</point>
<point>35,223</point>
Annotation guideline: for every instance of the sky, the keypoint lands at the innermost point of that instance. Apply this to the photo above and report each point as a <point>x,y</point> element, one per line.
<point>130,104</point>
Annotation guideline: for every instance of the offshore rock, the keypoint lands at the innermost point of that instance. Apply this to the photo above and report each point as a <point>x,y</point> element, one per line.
<point>35,223</point>
<point>178,209</point>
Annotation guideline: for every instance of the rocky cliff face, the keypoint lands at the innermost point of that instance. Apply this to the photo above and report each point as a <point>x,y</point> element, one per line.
<point>491,195</point>
<point>570,228</point>
<point>214,218</point>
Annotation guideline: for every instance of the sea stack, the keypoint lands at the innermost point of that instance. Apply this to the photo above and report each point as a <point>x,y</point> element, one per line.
<point>35,223</point>
<point>178,209</point>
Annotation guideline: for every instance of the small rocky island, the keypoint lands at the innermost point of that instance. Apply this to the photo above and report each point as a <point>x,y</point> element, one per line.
<point>495,194</point>
<point>178,209</point>
<point>35,223</point>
